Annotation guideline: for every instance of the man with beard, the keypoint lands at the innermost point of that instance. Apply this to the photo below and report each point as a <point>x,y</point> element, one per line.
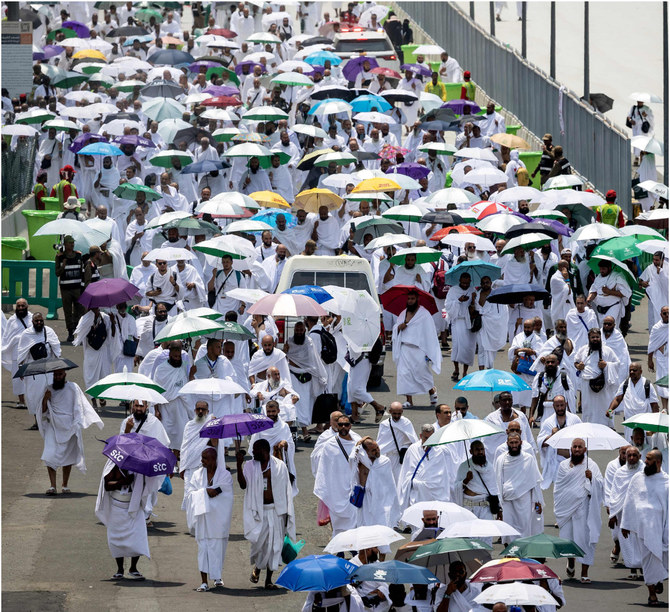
<point>518,480</point>
<point>172,375</point>
<point>645,518</point>
<point>561,346</point>
<point>561,292</point>
<point>395,436</point>
<point>578,497</point>
<point>460,593</point>
<point>36,342</point>
<point>615,501</point>
<point>609,293</point>
<point>610,472</point>
<point>94,335</point>
<point>547,385</point>
<point>65,412</point>
<point>163,286</point>
<point>658,349</point>
<point>637,395</point>
<point>517,268</point>
<point>325,231</point>
<point>613,338</point>
<point>254,179</point>
<point>21,320</point>
<point>598,366</point>
<point>192,444</point>
<point>213,365</point>
<point>549,456</point>
<point>273,266</point>
<point>501,417</point>
<point>308,374</point>
<point>408,274</point>
<point>124,348</point>
<point>277,389</point>
<point>459,303</point>
<point>527,309</point>
<point>513,427</point>
<point>654,280</point>
<point>265,358</point>
<point>522,354</point>
<point>268,508</point>
<point>294,238</point>
<point>374,594</point>
<point>223,281</point>
<point>148,328</point>
<point>416,351</point>
<point>280,180</point>
<point>492,336</point>
<point>475,484</point>
<point>579,320</point>
<point>193,294</point>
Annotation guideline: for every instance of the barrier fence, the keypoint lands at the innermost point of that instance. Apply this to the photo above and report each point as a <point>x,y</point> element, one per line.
<point>17,170</point>
<point>595,147</point>
<point>34,280</point>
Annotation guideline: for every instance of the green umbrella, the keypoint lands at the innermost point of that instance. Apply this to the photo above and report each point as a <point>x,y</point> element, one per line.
<point>123,379</point>
<point>101,79</point>
<point>292,79</point>
<point>193,227</point>
<point>70,79</point>
<point>164,158</point>
<point>265,113</point>
<point>542,546</point>
<point>266,162</point>
<point>423,255</point>
<point>36,116</point>
<point>339,158</point>
<point>129,85</point>
<point>617,266</point>
<point>404,212</point>
<point>163,108</point>
<point>662,382</point>
<point>67,32</point>
<point>437,552</point>
<point>128,191</point>
<point>621,248</point>
<point>233,331</point>
<point>649,421</point>
<point>147,14</point>
<point>220,70</point>
<point>90,68</point>
<point>186,326</point>
<point>225,134</point>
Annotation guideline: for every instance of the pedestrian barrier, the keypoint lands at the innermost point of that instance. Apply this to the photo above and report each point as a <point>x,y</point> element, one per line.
<point>41,247</point>
<point>34,280</point>
<point>11,249</point>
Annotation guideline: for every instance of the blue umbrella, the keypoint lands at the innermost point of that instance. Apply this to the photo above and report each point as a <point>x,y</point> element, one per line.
<point>143,39</point>
<point>476,269</point>
<point>141,454</point>
<point>270,217</point>
<point>316,573</point>
<point>320,102</point>
<point>395,572</point>
<point>100,148</point>
<point>366,103</point>
<point>316,293</point>
<point>84,139</point>
<point>207,165</point>
<point>492,380</point>
<point>514,294</point>
<point>321,57</point>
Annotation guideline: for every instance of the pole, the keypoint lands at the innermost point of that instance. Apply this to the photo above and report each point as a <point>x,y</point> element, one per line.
<point>472,11</point>
<point>552,42</point>
<point>666,95</point>
<point>523,29</point>
<point>492,17</point>
<point>587,66</point>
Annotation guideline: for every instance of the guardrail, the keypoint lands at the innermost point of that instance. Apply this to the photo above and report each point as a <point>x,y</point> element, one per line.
<point>34,280</point>
<point>596,148</point>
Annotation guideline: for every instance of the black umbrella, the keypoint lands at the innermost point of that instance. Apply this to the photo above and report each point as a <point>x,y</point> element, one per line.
<point>514,294</point>
<point>601,101</point>
<point>190,135</point>
<point>333,91</point>
<point>170,57</point>
<point>44,366</point>
<point>398,96</point>
<point>127,31</point>
<point>162,89</point>
<point>440,114</point>
<point>88,60</point>
<point>128,116</point>
<point>317,40</point>
<point>442,217</point>
<point>364,155</point>
<point>439,126</point>
<point>519,230</point>
<point>30,15</point>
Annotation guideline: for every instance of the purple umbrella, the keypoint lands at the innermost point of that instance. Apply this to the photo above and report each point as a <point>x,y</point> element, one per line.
<point>107,292</point>
<point>48,52</point>
<point>195,66</point>
<point>236,425</point>
<point>85,139</point>
<point>135,141</point>
<point>252,65</point>
<point>415,171</point>
<point>421,69</point>
<point>80,28</point>
<point>459,105</point>
<point>222,90</point>
<point>316,68</point>
<point>135,452</point>
<point>355,65</point>
<point>557,226</point>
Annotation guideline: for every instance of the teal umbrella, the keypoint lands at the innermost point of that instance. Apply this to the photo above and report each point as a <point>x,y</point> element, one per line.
<point>621,248</point>
<point>70,79</point>
<point>159,109</point>
<point>542,546</point>
<point>476,269</point>
<point>128,191</point>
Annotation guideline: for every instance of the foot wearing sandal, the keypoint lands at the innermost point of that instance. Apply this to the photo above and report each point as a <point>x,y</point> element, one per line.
<point>117,576</point>
<point>66,490</point>
<point>135,575</point>
<point>570,571</point>
<point>653,602</point>
<point>203,588</point>
<point>379,414</point>
<point>659,588</point>
<point>218,583</point>
<point>433,397</point>
<point>585,580</point>
<point>270,587</point>
<point>51,491</point>
<point>454,376</point>
<point>255,575</point>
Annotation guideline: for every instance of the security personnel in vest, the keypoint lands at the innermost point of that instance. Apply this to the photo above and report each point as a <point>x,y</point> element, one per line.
<point>70,273</point>
<point>611,213</point>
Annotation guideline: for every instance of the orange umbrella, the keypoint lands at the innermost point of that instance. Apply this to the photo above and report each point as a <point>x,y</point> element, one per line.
<point>377,185</point>
<point>269,199</point>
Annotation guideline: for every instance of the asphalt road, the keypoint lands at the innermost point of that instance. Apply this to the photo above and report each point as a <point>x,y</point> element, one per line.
<point>55,555</point>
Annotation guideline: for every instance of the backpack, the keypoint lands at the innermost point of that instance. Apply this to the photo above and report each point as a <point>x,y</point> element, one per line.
<point>440,287</point>
<point>647,388</point>
<point>328,346</point>
<point>97,335</point>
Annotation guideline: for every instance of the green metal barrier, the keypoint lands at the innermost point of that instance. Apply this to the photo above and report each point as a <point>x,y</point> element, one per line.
<point>453,91</point>
<point>26,280</point>
<point>11,249</point>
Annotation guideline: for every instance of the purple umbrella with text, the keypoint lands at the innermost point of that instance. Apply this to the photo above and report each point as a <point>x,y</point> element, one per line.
<point>236,426</point>
<point>141,454</point>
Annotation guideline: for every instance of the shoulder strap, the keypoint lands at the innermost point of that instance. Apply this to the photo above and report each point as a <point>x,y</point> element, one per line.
<point>647,389</point>
<point>346,456</point>
<point>395,441</point>
<point>418,465</point>
<point>625,387</point>
<point>480,478</point>
<point>564,381</point>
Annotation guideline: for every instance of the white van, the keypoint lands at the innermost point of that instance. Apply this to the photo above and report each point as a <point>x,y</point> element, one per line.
<point>372,44</point>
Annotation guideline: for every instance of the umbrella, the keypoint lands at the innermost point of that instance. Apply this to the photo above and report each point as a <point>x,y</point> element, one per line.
<point>394,300</point>
<point>442,217</point>
<point>247,226</point>
<point>428,50</point>
<point>460,240</point>
<point>100,148</point>
<point>647,143</point>
<point>44,366</point>
<point>527,242</point>
<point>248,296</point>
<point>655,218</point>
<point>452,195</point>
<point>378,185</point>
<point>107,292</point>
<point>19,130</point>
<point>420,69</point>
<point>128,191</point>
<point>309,130</point>
<point>125,31</point>
<point>283,305</point>
<point>404,181</point>
<point>404,212</point>
<point>459,106</point>
<point>640,230</point>
<point>448,513</point>
<point>236,426</point>
<point>135,141</point>
<point>387,72</point>
<point>26,14</point>
<point>395,572</point>
<point>233,331</point>
<point>600,101</point>
<point>316,573</point>
<point>399,95</point>
<point>476,269</point>
<point>360,318</point>
<point>376,117</point>
<point>222,32</point>
<point>146,14</point>
<point>205,166</point>
<point>370,102</point>
<point>662,382</point>
<point>596,436</point>
<point>123,378</point>
<point>649,421</point>
<point>542,546</point>
<point>375,227</point>
<point>617,266</point>
<point>478,528</point>
<point>455,229</point>
<point>548,215</point>
<point>508,570</point>
<point>212,386</point>
<point>265,113</point>
<point>35,115</point>
<point>185,326</point>
<point>462,430</point>
<point>69,79</point>
<point>264,38</point>
<point>514,194</point>
<point>84,235</point>
<point>486,176</point>
<point>248,149</point>
<point>319,58</point>
<point>292,79</point>
<point>415,171</point>
<point>657,189</point>
<point>622,247</point>
<point>61,125</point>
<point>492,380</point>
<point>135,452</point>
<point>170,57</point>
<point>318,294</point>
<point>514,294</point>
<point>500,223</point>
<point>361,538</point>
<point>331,91</point>
<point>235,247</point>
<point>164,158</point>
<point>223,134</point>
<point>222,90</point>
<point>510,140</point>
<point>389,240</point>
<point>647,98</point>
<point>653,245</point>
<point>436,555</point>
<point>66,32</point>
<point>218,207</point>
<point>562,181</point>
<point>330,107</point>
<point>129,393</point>
<point>338,158</point>
<point>161,108</point>
<point>517,594</point>
<point>485,208</point>
<point>206,312</point>
<point>313,199</point>
<point>423,255</point>
<point>222,101</point>
<point>529,228</point>
<point>596,231</point>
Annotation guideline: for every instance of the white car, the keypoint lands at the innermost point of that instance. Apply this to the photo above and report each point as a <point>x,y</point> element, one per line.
<point>373,44</point>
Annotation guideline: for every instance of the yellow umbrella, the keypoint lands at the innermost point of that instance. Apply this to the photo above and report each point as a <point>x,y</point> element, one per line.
<point>312,157</point>
<point>269,199</point>
<point>89,54</point>
<point>312,199</point>
<point>511,141</point>
<point>377,185</point>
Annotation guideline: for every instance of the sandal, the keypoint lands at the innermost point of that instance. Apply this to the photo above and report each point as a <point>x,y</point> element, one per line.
<point>135,575</point>
<point>117,576</point>
<point>203,588</point>
<point>433,399</point>
<point>585,580</point>
<point>407,405</point>
<point>570,572</point>
<point>218,583</point>
<point>659,588</point>
<point>103,403</point>
<point>65,490</point>
<point>653,602</point>
<point>33,427</point>
<point>306,438</point>
<point>454,377</point>
<point>271,587</point>
<point>614,558</point>
<point>255,575</point>
<point>379,414</point>
<point>51,491</point>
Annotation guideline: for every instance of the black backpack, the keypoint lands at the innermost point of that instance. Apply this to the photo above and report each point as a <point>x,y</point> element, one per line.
<point>647,388</point>
<point>328,346</point>
<point>97,335</point>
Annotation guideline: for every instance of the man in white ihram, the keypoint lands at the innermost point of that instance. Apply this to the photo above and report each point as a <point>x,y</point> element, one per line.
<point>475,481</point>
<point>578,497</point>
<point>416,351</point>
<point>658,349</point>
<point>16,324</point>
<point>192,445</point>
<point>265,358</point>
<point>395,436</point>
<point>459,300</point>
<point>277,389</point>
<point>208,500</point>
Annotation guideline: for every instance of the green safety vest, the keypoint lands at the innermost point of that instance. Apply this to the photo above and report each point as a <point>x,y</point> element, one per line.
<point>609,213</point>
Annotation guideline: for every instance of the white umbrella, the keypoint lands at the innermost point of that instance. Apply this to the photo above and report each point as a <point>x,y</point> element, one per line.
<point>374,117</point>
<point>360,319</point>
<point>339,181</point>
<point>389,240</point>
<point>486,176</point>
<point>84,235</point>
<point>185,325</point>
<point>361,538</point>
<point>248,296</point>
<point>309,130</point>
<point>596,436</point>
<point>451,195</point>
<point>235,246</point>
<point>477,153</point>
<point>526,241</point>
<point>259,113</point>
<point>212,386</point>
<point>205,312</point>
<point>651,246</point>
<point>18,129</point>
<point>406,182</point>
<point>658,214</point>
<point>447,512</point>
<point>293,66</point>
<point>649,421</point>
<point>61,124</point>
<point>81,95</point>
<point>459,240</point>
<point>379,11</point>
<point>157,73</point>
<point>167,217</point>
<point>169,254</point>
<point>168,128</point>
<point>562,181</point>
<point>647,143</point>
<point>330,107</point>
<point>655,188</point>
<point>294,78</point>
<point>196,98</point>
<point>365,195</point>
<point>117,127</point>
<point>223,44</point>
<point>643,96</point>
<point>596,231</point>
<point>219,114</point>
<point>641,230</point>
<point>258,56</point>
<point>218,207</point>
<point>128,393</point>
<point>478,528</point>
<point>247,225</point>
<point>566,197</point>
<point>248,149</point>
<point>404,212</point>
<point>157,159</point>
<point>428,50</point>
<point>516,594</point>
<point>499,223</point>
<point>430,101</point>
<point>441,148</point>
<point>124,378</point>
<point>462,430</point>
<point>514,194</point>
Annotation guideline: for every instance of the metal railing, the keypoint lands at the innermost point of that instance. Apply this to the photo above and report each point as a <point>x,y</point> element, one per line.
<point>596,148</point>
<point>17,171</point>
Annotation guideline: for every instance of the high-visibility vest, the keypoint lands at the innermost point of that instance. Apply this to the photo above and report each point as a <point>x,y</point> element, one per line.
<point>609,213</point>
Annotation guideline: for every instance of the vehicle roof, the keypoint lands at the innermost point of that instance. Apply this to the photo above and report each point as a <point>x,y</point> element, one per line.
<point>365,34</point>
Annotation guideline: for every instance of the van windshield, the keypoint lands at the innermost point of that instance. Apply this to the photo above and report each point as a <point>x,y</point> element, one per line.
<point>350,280</point>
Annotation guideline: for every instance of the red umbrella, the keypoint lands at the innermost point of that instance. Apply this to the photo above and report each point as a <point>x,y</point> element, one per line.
<point>395,299</point>
<point>222,32</point>
<point>221,101</point>
<point>484,208</point>
<point>456,229</point>
<point>502,570</point>
<point>387,72</point>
